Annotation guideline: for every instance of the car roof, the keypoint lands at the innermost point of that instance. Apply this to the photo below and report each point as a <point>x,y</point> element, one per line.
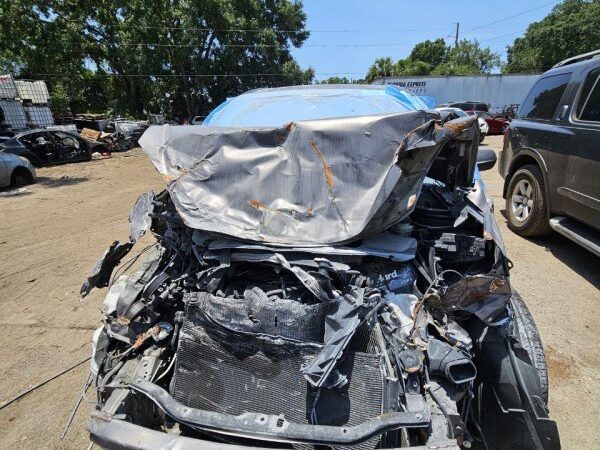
<point>594,54</point>
<point>32,131</point>
<point>316,87</point>
<point>572,67</point>
<point>42,130</point>
<point>278,106</point>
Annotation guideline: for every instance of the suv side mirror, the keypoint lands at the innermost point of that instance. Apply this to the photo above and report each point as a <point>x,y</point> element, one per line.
<point>486,158</point>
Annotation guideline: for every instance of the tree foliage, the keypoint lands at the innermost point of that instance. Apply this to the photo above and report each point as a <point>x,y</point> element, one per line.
<point>430,52</point>
<point>436,58</point>
<point>336,80</point>
<point>59,97</point>
<point>572,28</point>
<point>467,58</point>
<point>137,57</point>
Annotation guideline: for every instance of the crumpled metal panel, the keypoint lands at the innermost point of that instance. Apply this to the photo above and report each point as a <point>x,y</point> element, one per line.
<point>308,183</point>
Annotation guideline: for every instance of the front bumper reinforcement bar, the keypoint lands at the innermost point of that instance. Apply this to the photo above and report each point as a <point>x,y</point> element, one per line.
<point>277,428</point>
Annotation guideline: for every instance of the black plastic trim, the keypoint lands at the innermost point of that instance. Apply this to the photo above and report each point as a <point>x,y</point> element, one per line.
<point>277,428</point>
<point>120,435</point>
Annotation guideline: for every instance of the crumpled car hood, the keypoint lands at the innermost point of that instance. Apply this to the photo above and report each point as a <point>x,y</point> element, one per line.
<point>314,182</point>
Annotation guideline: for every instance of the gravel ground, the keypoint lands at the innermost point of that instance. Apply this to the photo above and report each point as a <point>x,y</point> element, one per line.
<point>53,232</point>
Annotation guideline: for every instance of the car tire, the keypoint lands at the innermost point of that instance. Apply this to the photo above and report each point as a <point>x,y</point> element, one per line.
<point>21,177</point>
<point>530,340</point>
<point>526,189</point>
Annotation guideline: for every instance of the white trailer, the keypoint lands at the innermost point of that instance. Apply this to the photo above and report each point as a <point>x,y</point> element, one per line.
<point>501,92</point>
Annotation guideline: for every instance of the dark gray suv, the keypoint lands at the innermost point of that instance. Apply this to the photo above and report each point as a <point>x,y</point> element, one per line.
<point>551,155</point>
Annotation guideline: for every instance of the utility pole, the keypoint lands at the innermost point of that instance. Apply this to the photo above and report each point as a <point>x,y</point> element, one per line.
<point>456,36</point>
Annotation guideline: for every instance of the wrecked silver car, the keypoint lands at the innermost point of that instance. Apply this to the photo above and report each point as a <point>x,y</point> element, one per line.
<point>327,273</point>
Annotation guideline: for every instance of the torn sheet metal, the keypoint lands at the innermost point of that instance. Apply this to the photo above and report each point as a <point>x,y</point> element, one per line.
<point>139,223</point>
<point>491,230</point>
<point>391,246</point>
<point>100,276</point>
<point>486,296</point>
<point>314,182</point>
<point>139,217</point>
<point>345,316</point>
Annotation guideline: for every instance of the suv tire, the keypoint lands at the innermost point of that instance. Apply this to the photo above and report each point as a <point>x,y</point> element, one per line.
<point>530,340</point>
<point>526,206</point>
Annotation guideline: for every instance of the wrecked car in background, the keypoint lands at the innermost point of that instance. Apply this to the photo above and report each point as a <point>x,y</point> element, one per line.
<point>327,272</point>
<point>48,147</point>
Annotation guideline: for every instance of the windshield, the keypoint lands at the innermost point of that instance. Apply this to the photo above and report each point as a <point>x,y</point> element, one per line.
<point>276,107</point>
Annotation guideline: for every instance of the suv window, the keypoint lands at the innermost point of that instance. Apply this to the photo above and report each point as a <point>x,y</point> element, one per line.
<point>543,98</point>
<point>588,106</point>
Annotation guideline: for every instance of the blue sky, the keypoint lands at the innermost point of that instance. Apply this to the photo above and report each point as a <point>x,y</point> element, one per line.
<point>392,28</point>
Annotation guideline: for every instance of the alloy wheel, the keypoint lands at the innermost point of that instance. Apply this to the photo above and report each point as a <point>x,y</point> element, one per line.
<point>521,200</point>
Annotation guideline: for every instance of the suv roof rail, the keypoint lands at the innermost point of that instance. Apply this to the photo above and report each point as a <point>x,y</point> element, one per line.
<point>577,58</point>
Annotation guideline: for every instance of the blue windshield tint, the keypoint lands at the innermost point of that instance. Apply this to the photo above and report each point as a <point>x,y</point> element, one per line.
<point>276,107</point>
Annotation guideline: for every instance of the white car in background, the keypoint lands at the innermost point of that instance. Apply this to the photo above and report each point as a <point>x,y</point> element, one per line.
<point>483,126</point>
<point>15,170</point>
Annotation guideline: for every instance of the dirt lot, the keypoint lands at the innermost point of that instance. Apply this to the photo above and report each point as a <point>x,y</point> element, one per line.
<point>52,233</point>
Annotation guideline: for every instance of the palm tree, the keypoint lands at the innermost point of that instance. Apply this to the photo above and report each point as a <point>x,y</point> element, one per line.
<point>381,68</point>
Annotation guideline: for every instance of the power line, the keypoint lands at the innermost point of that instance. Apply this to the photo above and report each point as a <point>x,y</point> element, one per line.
<point>322,45</point>
<point>256,30</point>
<point>196,75</point>
<point>513,16</point>
<point>502,35</point>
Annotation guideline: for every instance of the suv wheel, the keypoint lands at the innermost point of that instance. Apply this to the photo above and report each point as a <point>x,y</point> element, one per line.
<point>526,203</point>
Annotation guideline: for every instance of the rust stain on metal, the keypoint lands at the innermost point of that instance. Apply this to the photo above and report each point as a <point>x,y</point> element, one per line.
<point>457,127</point>
<point>257,204</point>
<point>496,284</point>
<point>326,167</point>
<point>122,320</point>
<point>141,338</point>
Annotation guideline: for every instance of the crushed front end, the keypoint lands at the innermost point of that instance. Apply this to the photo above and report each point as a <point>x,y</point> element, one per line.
<point>328,284</point>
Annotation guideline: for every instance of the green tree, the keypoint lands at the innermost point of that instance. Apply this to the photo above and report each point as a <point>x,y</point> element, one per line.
<point>342,80</point>
<point>434,57</point>
<point>59,97</point>
<point>336,80</point>
<point>172,56</point>
<point>468,58</point>
<point>430,52</point>
<point>381,68</point>
<point>292,71</point>
<point>412,67</point>
<point>572,28</point>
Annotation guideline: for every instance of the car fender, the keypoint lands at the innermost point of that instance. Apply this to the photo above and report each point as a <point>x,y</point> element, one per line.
<point>523,157</point>
<point>30,156</point>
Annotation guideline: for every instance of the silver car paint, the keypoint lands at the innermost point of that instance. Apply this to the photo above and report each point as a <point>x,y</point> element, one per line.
<point>8,164</point>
